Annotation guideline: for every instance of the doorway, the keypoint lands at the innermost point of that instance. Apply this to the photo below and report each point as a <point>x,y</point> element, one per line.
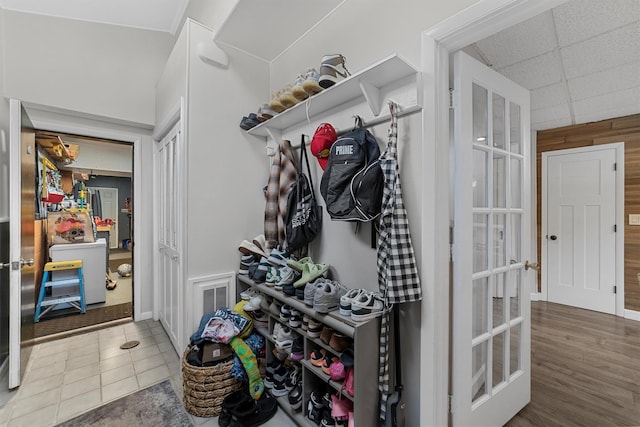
<point>100,174</point>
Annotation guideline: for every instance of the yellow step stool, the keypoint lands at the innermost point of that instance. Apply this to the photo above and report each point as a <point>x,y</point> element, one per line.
<point>74,298</point>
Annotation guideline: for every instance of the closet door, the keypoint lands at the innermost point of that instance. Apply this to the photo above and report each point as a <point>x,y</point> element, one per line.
<point>168,169</point>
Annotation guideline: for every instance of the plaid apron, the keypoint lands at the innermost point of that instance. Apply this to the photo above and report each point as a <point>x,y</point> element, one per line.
<point>397,271</point>
<point>282,175</point>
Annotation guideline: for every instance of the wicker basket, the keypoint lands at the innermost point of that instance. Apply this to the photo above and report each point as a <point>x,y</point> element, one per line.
<point>206,387</point>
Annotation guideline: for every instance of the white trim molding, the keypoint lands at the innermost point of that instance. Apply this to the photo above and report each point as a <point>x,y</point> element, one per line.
<point>632,315</point>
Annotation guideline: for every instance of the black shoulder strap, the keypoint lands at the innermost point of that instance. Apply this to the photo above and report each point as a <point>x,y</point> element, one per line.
<point>303,153</point>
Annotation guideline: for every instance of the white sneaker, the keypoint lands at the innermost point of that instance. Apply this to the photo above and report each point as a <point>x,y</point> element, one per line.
<point>327,297</point>
<point>346,299</point>
<point>254,302</point>
<point>367,306</point>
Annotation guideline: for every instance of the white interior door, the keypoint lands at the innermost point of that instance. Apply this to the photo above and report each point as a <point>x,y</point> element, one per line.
<point>168,170</point>
<point>491,313</point>
<point>22,199</point>
<point>580,233</point>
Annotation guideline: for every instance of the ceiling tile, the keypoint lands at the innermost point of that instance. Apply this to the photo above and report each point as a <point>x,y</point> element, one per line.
<point>552,124</point>
<point>548,96</point>
<point>607,106</point>
<point>543,70</point>
<point>551,113</point>
<point>610,80</point>
<point>608,50</point>
<point>580,20</point>
<point>516,44</point>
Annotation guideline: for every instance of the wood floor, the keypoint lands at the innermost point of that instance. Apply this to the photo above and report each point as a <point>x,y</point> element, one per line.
<point>585,369</point>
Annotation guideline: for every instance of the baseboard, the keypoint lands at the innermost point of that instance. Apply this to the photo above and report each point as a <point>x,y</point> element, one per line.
<point>632,315</point>
<point>144,316</point>
<point>536,296</point>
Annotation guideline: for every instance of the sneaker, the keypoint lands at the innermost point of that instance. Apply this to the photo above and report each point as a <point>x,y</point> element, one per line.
<point>295,319</point>
<point>297,349</point>
<point>326,334</point>
<point>261,271</point>
<point>278,258</point>
<point>310,291</point>
<point>288,290</point>
<point>277,374</point>
<point>284,341</point>
<point>287,276</point>
<point>286,97</point>
<point>310,84</point>
<point>326,363</point>
<point>327,420</point>
<point>245,263</point>
<point>317,356</point>
<point>274,308</point>
<point>254,302</point>
<point>314,414</point>
<point>277,330</point>
<point>298,88</point>
<point>305,322</point>
<point>367,306</point>
<point>331,67</point>
<point>279,389</point>
<point>295,396</point>
<point>247,294</point>
<point>314,328</point>
<point>293,378</point>
<point>285,313</point>
<point>339,342</point>
<point>315,398</point>
<point>273,276</point>
<point>250,248</point>
<point>345,301</point>
<point>299,292</point>
<point>274,103</point>
<point>265,113</point>
<point>327,298</point>
<point>260,318</point>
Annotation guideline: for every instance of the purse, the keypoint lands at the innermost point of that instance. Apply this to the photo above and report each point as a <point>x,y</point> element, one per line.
<point>304,216</point>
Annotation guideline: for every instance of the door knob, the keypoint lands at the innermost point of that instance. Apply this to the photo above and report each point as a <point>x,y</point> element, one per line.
<point>23,262</point>
<point>553,237</point>
<point>532,265</point>
<point>5,265</point>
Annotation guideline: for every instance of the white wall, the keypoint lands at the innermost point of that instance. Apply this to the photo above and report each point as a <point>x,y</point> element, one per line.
<point>4,130</point>
<point>211,14</point>
<point>103,158</point>
<point>99,69</point>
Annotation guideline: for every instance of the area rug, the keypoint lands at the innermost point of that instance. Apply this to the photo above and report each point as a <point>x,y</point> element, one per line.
<point>155,406</point>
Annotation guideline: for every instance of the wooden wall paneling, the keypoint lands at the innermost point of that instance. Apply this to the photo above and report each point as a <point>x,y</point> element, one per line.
<point>622,129</point>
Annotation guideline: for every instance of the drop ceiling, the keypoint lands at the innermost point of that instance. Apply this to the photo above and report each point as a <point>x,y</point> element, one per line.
<point>580,60</point>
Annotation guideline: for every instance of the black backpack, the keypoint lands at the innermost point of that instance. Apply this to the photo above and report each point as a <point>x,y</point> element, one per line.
<point>352,182</point>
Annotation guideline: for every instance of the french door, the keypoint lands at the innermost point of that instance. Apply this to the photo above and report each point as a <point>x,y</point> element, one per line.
<point>491,313</point>
<point>168,170</point>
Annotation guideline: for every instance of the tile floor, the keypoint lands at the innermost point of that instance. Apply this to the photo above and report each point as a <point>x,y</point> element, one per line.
<point>70,376</point>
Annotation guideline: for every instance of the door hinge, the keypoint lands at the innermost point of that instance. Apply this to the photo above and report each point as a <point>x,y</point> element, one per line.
<point>615,166</point>
<point>615,289</point>
<point>451,98</point>
<point>451,408</point>
<point>615,228</point>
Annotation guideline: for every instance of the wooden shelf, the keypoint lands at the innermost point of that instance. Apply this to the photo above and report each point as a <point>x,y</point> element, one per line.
<point>366,83</point>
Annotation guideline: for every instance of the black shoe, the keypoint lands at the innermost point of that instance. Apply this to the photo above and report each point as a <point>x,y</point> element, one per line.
<point>295,396</point>
<point>230,403</point>
<point>262,411</point>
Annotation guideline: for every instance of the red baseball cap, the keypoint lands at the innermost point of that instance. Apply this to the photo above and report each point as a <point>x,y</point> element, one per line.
<point>321,142</point>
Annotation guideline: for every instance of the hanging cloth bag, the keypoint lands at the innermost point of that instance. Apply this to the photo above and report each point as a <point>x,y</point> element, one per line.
<point>304,216</point>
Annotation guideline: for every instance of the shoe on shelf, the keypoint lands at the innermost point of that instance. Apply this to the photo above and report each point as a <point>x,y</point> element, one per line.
<point>295,318</point>
<point>310,291</point>
<point>287,99</point>
<point>260,242</point>
<point>298,88</point>
<point>305,322</point>
<point>250,248</point>
<point>260,274</point>
<point>248,293</point>
<point>298,264</point>
<point>285,313</point>
<point>367,306</point>
<point>249,121</point>
<point>274,308</point>
<point>275,104</point>
<point>245,263</point>
<point>273,276</point>
<point>299,292</point>
<point>327,297</point>
<point>326,363</point>
<point>278,258</point>
<point>339,342</point>
<point>314,328</point>
<point>310,84</point>
<point>326,334</point>
<point>287,276</point>
<point>295,396</point>
<point>331,67</point>
<point>346,299</point>
<point>265,113</point>
<point>260,318</point>
<point>317,356</point>
<point>311,272</point>
<point>297,349</point>
<point>254,302</point>
<point>279,388</point>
